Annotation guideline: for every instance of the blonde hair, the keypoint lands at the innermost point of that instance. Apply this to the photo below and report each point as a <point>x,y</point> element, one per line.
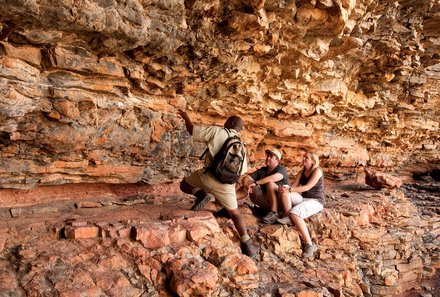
<point>315,159</point>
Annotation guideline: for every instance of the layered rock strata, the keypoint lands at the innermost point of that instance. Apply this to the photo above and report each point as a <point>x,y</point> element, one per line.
<point>89,89</point>
<point>371,243</point>
<point>88,95</point>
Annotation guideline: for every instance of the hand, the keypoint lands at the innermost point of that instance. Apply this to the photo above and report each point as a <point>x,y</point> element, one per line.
<point>188,124</point>
<point>251,187</point>
<point>284,189</point>
<point>183,114</point>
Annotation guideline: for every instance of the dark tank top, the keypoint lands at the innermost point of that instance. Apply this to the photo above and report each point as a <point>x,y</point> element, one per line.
<point>317,191</point>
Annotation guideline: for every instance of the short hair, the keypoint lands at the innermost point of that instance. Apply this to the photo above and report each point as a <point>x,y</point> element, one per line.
<point>234,122</point>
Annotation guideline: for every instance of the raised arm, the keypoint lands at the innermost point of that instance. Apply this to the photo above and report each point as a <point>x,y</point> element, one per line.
<point>188,124</point>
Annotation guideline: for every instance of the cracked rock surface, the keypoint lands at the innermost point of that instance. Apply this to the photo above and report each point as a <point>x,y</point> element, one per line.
<point>371,243</point>
<point>89,90</point>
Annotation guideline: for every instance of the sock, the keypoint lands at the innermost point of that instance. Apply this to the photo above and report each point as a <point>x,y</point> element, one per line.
<point>245,238</point>
<point>195,190</point>
<point>200,193</point>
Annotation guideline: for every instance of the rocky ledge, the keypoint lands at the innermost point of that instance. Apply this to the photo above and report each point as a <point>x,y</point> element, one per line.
<point>371,243</point>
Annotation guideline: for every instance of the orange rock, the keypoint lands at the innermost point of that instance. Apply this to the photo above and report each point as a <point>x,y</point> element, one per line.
<point>380,180</point>
<point>148,272</point>
<point>115,284</point>
<point>177,234</point>
<point>25,53</point>
<point>192,277</point>
<point>8,281</point>
<point>67,108</point>
<point>196,231</point>
<point>159,127</point>
<point>364,216</point>
<point>2,242</point>
<point>80,292</point>
<point>309,293</point>
<point>81,232</point>
<point>153,236</point>
<point>239,264</point>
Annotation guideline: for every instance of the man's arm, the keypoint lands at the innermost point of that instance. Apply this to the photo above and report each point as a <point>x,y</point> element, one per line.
<point>254,178</point>
<point>276,177</point>
<point>188,124</point>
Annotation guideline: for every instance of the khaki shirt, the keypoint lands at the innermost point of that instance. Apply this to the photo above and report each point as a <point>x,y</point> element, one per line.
<point>214,137</point>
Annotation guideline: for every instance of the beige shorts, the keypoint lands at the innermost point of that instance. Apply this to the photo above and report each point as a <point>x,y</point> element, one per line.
<point>304,207</point>
<point>223,193</point>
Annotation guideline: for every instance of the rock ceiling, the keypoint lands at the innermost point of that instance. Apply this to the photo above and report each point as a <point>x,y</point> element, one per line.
<point>89,89</point>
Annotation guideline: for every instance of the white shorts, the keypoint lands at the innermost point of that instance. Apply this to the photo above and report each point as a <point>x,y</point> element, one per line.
<point>304,207</point>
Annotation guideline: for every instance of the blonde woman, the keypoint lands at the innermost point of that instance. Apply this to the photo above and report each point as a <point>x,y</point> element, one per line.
<point>304,198</point>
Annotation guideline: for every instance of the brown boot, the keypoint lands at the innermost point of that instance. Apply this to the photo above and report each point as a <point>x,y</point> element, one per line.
<point>249,249</point>
<point>309,250</point>
<point>271,217</point>
<point>201,199</point>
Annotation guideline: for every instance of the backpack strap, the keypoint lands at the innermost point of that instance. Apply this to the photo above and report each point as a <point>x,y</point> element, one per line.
<point>204,154</point>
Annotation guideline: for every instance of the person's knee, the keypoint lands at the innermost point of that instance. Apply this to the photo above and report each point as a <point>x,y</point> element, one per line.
<point>241,193</point>
<point>256,194</point>
<point>295,217</point>
<point>185,187</point>
<point>271,186</point>
<point>253,197</point>
<point>284,196</point>
<point>234,213</point>
<point>246,180</point>
<point>182,185</point>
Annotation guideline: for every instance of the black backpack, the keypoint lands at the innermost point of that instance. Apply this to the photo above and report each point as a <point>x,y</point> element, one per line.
<point>227,164</point>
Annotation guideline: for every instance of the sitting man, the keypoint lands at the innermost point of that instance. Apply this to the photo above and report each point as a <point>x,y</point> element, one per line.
<point>263,184</point>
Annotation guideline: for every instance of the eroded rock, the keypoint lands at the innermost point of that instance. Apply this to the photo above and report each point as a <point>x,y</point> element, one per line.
<point>89,90</point>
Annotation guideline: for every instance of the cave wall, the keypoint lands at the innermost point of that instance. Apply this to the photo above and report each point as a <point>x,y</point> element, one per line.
<point>89,90</point>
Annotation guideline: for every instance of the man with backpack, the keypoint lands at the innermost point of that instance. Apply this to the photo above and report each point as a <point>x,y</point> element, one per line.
<point>225,162</point>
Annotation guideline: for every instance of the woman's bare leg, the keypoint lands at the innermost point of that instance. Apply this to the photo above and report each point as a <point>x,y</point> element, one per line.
<point>302,228</point>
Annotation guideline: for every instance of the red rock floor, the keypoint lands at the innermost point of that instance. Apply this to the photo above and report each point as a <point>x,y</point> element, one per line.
<point>34,210</point>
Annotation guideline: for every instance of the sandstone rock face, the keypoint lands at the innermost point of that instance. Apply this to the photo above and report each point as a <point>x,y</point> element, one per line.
<point>89,89</point>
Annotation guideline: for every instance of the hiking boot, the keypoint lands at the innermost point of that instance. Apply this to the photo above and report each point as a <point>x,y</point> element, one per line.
<point>249,249</point>
<point>201,199</point>
<point>222,213</point>
<point>270,218</point>
<point>285,221</point>
<point>309,250</point>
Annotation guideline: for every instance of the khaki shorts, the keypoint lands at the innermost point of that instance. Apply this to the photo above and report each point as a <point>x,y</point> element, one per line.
<point>304,207</point>
<point>223,193</point>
